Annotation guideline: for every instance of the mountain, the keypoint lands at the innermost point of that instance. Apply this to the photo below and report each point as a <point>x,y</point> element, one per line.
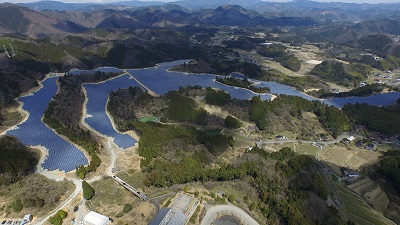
<point>15,19</point>
<point>206,4</point>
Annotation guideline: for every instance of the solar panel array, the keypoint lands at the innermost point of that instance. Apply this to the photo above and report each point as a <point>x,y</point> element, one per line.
<point>62,155</point>
<point>382,99</point>
<point>97,99</point>
<point>65,156</point>
<point>101,69</point>
<point>161,82</point>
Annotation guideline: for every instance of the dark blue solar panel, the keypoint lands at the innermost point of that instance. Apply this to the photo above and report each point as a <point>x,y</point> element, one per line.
<point>97,99</point>
<point>101,69</point>
<point>62,155</point>
<point>382,99</point>
<point>161,81</point>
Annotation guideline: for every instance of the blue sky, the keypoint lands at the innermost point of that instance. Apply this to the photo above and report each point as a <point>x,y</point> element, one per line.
<point>105,1</point>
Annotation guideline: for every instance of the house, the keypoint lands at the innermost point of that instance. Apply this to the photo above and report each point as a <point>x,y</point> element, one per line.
<point>94,218</point>
<point>252,128</point>
<point>280,137</point>
<point>351,138</point>
<point>28,217</point>
<point>352,173</point>
<point>221,193</point>
<point>359,143</point>
<point>370,147</point>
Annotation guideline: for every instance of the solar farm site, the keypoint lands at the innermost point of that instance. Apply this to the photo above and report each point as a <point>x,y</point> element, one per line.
<point>97,95</point>
<point>33,132</point>
<point>65,156</point>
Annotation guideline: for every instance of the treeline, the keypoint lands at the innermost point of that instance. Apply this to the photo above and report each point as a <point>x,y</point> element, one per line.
<point>278,52</point>
<point>283,193</point>
<point>366,90</point>
<point>77,135</point>
<point>345,75</point>
<point>216,97</point>
<point>389,168</point>
<point>183,109</point>
<point>157,139</point>
<point>333,119</point>
<point>245,43</point>
<point>383,120</point>
<point>125,104</point>
<point>226,67</point>
<point>243,83</point>
<point>65,111</point>
<point>16,160</point>
<point>388,62</point>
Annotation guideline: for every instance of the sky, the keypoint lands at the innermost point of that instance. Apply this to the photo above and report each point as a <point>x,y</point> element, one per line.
<point>105,1</point>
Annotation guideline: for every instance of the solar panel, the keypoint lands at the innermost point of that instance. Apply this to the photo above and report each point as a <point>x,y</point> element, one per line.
<point>65,156</point>
<point>33,132</point>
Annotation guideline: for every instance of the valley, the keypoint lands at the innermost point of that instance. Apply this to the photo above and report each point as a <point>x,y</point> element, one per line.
<point>245,111</point>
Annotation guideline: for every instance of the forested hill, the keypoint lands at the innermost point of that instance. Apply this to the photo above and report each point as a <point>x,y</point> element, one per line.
<point>16,160</point>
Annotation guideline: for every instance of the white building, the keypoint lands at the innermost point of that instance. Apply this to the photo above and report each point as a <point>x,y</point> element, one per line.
<point>94,218</point>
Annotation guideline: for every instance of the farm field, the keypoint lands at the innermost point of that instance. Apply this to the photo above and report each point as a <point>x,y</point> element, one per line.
<point>358,211</point>
<point>350,157</point>
<point>371,192</point>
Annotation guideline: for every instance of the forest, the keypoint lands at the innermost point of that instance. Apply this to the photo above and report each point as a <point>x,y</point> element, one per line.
<point>366,90</point>
<point>16,160</point>
<point>381,119</point>
<point>339,73</point>
<point>279,53</point>
<point>243,83</point>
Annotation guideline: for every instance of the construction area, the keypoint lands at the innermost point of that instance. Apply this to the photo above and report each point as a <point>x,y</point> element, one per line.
<point>179,211</point>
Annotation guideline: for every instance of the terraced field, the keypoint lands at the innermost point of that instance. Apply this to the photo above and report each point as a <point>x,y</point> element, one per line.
<point>358,211</point>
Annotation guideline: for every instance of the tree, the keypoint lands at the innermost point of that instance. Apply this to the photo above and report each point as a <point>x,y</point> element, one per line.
<point>196,194</point>
<point>232,123</point>
<point>17,206</point>
<point>127,208</point>
<point>231,198</point>
<point>252,206</point>
<point>88,191</point>
<point>186,189</point>
<point>62,214</point>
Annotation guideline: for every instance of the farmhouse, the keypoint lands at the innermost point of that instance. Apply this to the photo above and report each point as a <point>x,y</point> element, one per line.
<point>352,174</point>
<point>94,218</point>
<point>370,147</point>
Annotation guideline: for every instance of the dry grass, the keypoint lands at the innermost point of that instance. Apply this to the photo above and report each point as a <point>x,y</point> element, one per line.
<point>30,187</point>
<point>349,157</point>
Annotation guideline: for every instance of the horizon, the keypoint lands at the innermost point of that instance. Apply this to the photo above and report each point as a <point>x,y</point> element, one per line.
<point>112,1</point>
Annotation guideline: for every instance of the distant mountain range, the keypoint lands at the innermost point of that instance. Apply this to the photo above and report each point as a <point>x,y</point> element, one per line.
<point>16,19</point>
<point>338,22</point>
<point>298,8</point>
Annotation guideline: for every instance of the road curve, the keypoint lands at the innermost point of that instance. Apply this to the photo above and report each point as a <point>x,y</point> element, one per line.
<point>78,190</point>
<point>214,211</point>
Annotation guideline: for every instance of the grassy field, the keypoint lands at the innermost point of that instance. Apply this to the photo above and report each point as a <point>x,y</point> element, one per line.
<point>358,211</point>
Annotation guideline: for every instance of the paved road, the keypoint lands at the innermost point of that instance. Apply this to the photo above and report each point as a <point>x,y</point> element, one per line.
<point>78,185</point>
<point>276,141</point>
<point>78,190</point>
<point>214,211</point>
